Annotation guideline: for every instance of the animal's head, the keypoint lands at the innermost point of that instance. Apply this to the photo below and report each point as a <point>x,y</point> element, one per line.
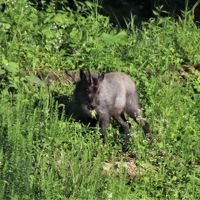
<point>91,82</point>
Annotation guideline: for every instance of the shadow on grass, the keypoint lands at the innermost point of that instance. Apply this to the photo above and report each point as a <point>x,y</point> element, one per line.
<point>66,105</point>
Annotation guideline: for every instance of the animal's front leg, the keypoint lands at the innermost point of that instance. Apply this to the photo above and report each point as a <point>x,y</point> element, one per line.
<point>121,120</point>
<point>103,122</point>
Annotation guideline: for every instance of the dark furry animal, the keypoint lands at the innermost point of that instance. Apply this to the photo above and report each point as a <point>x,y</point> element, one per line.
<point>111,95</point>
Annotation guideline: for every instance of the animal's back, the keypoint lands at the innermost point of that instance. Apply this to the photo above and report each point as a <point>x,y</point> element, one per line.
<point>116,90</point>
<point>119,82</point>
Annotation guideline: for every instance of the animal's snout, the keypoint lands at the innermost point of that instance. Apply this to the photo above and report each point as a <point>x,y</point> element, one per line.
<point>91,106</point>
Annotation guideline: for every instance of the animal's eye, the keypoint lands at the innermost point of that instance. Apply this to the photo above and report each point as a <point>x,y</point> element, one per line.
<point>88,90</point>
<point>95,88</point>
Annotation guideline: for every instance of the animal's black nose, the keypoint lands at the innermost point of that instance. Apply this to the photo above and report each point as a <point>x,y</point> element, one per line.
<point>91,106</point>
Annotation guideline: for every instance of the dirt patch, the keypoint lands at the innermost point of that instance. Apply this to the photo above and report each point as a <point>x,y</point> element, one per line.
<point>48,77</point>
<point>128,165</point>
<point>57,77</point>
<point>188,69</point>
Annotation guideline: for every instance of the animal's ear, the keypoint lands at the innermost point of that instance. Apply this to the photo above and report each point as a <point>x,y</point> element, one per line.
<point>85,75</point>
<point>97,78</point>
<point>101,76</point>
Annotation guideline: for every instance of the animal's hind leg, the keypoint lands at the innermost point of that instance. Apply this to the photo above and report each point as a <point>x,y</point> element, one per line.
<point>137,115</point>
<point>123,117</point>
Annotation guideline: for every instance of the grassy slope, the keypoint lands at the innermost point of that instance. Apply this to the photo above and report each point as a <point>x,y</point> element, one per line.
<point>43,157</point>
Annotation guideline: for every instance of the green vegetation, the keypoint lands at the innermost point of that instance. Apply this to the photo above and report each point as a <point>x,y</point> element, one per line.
<point>43,156</point>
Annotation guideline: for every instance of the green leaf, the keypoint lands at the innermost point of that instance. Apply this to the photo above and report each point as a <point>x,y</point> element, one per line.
<point>48,33</point>
<point>2,71</point>
<point>89,4</point>
<point>61,19</point>
<point>122,35</point>
<point>75,35</point>
<point>6,26</point>
<point>34,79</point>
<point>93,113</point>
<point>12,67</point>
<point>120,38</point>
